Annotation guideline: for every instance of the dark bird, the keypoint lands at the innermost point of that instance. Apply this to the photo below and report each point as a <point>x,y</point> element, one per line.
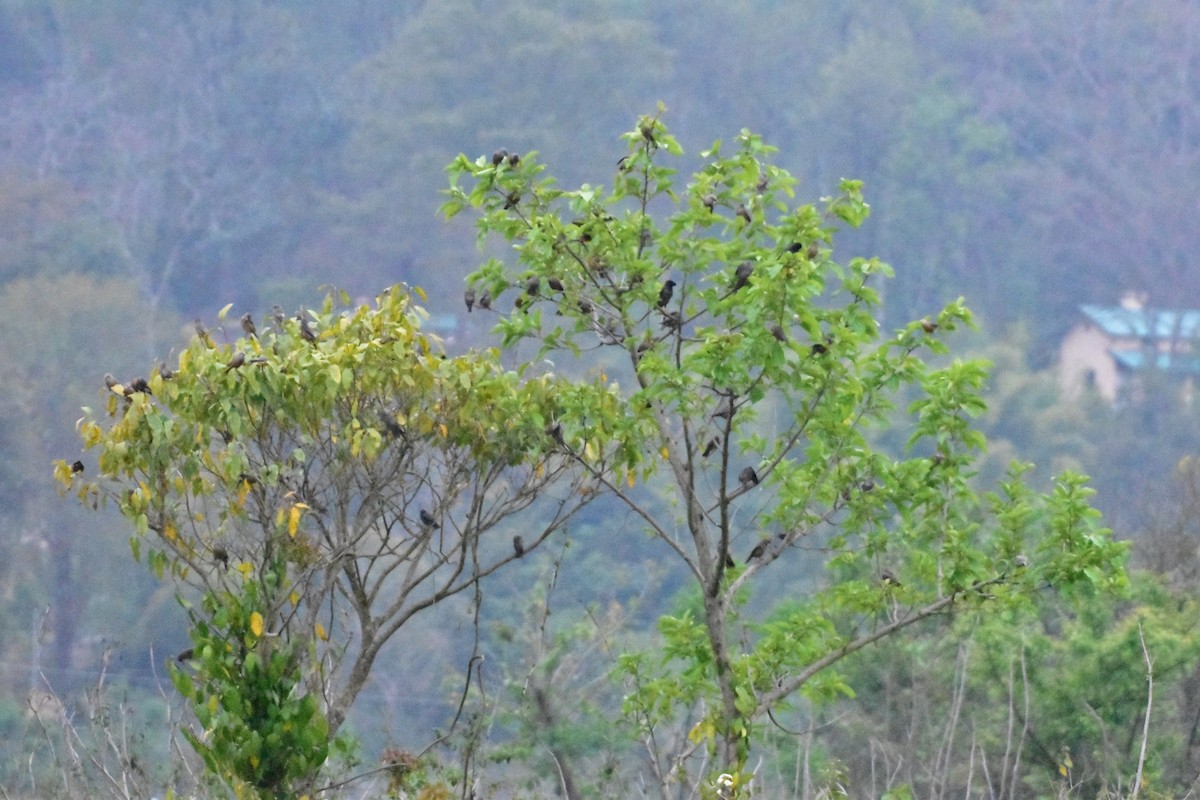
<point>76,467</point>
<point>221,556</point>
<point>710,447</point>
<point>795,247</point>
<point>469,299</point>
<point>427,519</point>
<point>513,159</point>
<point>664,294</point>
<point>759,550</point>
<point>743,213</point>
<point>306,331</point>
<point>278,316</point>
<point>709,201</point>
<point>511,200</point>
<point>239,358</point>
<point>762,184</point>
<point>742,276</point>
<point>819,348</point>
<point>498,157</point>
<point>729,562</point>
<point>888,577</point>
<point>533,285</point>
<point>485,300</point>
<point>928,326</point>
<point>1021,560</point>
<point>725,412</point>
<point>140,385</point>
<point>777,331</point>
<point>393,428</point>
<point>585,307</point>
<point>518,546</point>
<point>186,655</point>
<point>813,251</point>
<point>110,382</point>
<point>748,478</point>
<point>248,325</point>
<point>554,431</point>
<point>555,284</point>
<point>165,372</point>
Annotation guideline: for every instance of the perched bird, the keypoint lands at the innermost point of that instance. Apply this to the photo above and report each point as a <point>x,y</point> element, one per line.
<point>533,285</point>
<point>585,307</point>
<point>277,316</point>
<point>777,331</point>
<point>76,467</point>
<point>743,213</point>
<point>306,331</point>
<point>110,382</point>
<point>165,372</point>
<point>221,556</point>
<point>742,276</point>
<point>513,159</point>
<point>140,385</point>
<point>748,478</point>
<point>393,428</point>
<point>469,299</point>
<point>239,358</point>
<point>248,325</point>
<point>729,562</point>
<point>888,577</point>
<point>759,550</point>
<point>498,157</point>
<point>554,431</point>
<point>186,655</point>
<point>709,201</point>
<point>518,546</point>
<point>1021,560</point>
<point>664,294</point>
<point>710,447</point>
<point>202,332</point>
<point>485,300</point>
<point>928,326</point>
<point>819,349</point>
<point>427,519</point>
<point>795,247</point>
<point>555,284</point>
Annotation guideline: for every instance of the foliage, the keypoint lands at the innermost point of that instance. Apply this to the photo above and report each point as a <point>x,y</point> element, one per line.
<point>751,367</point>
<point>325,479</point>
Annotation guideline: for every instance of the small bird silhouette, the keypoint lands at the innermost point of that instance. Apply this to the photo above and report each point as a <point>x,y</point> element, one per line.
<point>748,478</point>
<point>239,358</point>
<point>248,325</point>
<point>742,276</point>
<point>140,385</point>
<point>518,546</point>
<point>165,372</point>
<point>469,299</point>
<point>759,550</point>
<point>427,519</point>
<point>743,213</point>
<point>664,294</point>
<point>221,556</point>
<point>710,447</point>
<point>77,467</point>
<point>306,331</point>
<point>110,382</point>
<point>777,331</point>
<point>485,300</point>
<point>888,577</point>
<point>499,156</point>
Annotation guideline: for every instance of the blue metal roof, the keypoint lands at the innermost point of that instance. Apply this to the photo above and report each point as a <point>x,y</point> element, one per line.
<point>1144,323</point>
<point>1136,359</point>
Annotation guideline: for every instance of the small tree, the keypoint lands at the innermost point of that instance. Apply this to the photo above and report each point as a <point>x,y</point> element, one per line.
<point>751,370</point>
<point>311,487</point>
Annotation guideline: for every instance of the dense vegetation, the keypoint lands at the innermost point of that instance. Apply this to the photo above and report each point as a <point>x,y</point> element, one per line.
<point>163,160</point>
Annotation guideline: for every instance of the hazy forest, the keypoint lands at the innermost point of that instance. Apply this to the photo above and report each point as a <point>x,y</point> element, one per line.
<point>168,167</point>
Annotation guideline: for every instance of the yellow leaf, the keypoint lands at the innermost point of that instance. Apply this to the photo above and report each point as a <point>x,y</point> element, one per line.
<point>664,452</point>
<point>169,532</point>
<point>245,567</point>
<point>444,430</point>
<point>294,520</point>
<point>320,630</point>
<point>294,598</point>
<point>541,469</point>
<point>256,624</point>
<point>224,311</point>
<point>629,479</point>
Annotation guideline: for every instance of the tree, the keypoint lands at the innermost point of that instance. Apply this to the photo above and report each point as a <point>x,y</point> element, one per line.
<point>312,486</point>
<point>749,369</point>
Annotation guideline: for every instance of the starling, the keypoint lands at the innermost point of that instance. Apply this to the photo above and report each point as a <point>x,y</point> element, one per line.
<point>511,200</point>
<point>888,577</point>
<point>498,157</point>
<point>795,247</point>
<point>763,183</point>
<point>239,358</point>
<point>554,431</point>
<point>729,562</point>
<point>777,331</point>
<point>759,550</point>
<point>709,201</point>
<point>427,519</point>
<point>248,325</point>
<point>513,159</point>
<point>306,331</point>
<point>928,326</point>
<point>186,655</point>
<point>469,299</point>
<point>140,385</point>
<point>165,372</point>
<point>221,556</point>
<point>278,316</point>
<point>533,286</point>
<point>76,467</point>
<point>393,428</point>
<point>743,213</point>
<point>485,300</point>
<point>555,284</point>
<point>819,349</point>
<point>1021,560</point>
<point>110,382</point>
<point>742,276</point>
<point>748,478</point>
<point>710,447</point>
<point>518,546</point>
<point>585,307</point>
<point>664,294</point>
<point>812,252</point>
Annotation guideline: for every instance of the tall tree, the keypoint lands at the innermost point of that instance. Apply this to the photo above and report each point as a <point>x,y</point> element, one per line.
<point>747,368</point>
